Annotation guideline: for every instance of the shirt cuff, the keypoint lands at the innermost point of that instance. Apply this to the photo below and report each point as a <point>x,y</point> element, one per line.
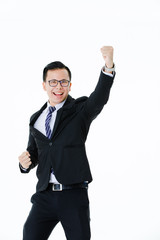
<point>24,169</point>
<point>109,74</point>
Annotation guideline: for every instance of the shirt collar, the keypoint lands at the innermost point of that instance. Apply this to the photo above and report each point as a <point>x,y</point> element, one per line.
<point>57,106</point>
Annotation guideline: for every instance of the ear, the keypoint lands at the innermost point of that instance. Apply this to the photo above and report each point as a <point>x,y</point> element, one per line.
<point>70,86</point>
<point>44,86</point>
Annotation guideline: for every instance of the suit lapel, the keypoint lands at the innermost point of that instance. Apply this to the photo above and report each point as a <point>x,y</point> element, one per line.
<point>34,117</point>
<point>64,115</point>
<point>37,114</point>
<point>58,117</point>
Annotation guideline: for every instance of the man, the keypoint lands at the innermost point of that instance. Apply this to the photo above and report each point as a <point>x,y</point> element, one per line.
<point>58,132</point>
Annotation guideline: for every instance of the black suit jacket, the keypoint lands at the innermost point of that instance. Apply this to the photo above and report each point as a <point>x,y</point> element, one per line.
<point>65,151</point>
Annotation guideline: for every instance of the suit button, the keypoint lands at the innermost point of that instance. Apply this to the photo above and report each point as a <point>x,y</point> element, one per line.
<point>50,144</point>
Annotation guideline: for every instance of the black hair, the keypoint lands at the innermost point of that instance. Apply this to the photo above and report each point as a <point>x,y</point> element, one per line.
<point>55,65</point>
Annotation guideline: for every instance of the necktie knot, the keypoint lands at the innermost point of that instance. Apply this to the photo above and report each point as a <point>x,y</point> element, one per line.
<point>51,109</point>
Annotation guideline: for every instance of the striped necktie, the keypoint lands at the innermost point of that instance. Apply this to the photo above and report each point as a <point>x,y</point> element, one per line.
<point>47,122</point>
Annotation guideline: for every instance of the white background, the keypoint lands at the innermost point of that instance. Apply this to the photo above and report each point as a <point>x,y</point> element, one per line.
<point>123,141</point>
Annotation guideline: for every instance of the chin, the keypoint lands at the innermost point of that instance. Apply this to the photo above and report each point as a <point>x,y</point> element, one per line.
<point>54,102</point>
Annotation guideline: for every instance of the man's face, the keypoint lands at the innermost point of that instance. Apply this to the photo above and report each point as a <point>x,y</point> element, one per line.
<point>56,94</point>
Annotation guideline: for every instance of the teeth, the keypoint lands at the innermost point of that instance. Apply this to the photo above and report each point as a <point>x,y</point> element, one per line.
<point>58,93</point>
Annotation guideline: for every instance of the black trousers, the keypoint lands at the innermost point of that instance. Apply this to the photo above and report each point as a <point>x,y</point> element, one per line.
<point>69,207</point>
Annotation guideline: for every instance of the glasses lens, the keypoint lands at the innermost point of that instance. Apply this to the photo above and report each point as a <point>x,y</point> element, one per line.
<point>53,83</point>
<point>64,83</point>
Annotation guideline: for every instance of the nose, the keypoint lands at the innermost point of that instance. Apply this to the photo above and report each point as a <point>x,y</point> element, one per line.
<point>58,86</point>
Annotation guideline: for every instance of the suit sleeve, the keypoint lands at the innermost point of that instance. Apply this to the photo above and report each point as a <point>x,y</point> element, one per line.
<point>99,96</point>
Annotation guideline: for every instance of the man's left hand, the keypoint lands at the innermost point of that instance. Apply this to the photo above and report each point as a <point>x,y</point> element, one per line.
<point>107,53</point>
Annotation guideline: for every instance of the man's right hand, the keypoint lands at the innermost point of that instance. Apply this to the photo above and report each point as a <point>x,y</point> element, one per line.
<point>25,160</point>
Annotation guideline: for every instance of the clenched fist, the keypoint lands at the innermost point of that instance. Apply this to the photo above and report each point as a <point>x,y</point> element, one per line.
<point>107,53</point>
<point>25,160</point>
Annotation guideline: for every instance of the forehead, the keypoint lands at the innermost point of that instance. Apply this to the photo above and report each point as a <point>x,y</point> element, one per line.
<point>57,74</point>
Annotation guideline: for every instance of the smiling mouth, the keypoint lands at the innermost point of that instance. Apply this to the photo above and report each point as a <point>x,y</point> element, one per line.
<point>57,94</point>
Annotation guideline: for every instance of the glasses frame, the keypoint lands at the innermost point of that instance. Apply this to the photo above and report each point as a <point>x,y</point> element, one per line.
<point>58,81</point>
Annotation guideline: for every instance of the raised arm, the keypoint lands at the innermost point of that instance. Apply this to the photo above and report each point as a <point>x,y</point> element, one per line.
<point>100,95</point>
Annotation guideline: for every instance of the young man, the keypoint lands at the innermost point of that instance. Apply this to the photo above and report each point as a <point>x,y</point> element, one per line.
<point>58,132</point>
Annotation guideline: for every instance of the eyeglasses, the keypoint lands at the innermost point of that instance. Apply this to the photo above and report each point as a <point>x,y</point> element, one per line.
<point>63,82</point>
